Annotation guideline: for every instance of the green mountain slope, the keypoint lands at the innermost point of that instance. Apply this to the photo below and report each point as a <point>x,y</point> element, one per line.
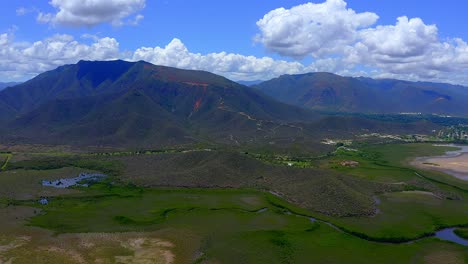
<point>4,85</point>
<point>137,104</point>
<point>124,103</point>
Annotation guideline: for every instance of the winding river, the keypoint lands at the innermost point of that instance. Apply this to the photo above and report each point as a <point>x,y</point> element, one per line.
<point>446,234</point>
<point>455,163</point>
<point>449,235</point>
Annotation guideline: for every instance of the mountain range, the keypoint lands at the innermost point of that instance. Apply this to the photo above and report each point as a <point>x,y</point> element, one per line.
<point>334,93</point>
<point>4,85</point>
<point>138,104</point>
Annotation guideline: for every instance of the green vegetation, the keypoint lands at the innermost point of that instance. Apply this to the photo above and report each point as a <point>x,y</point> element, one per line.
<point>462,232</point>
<point>379,174</point>
<point>390,163</point>
<point>407,215</point>
<point>426,204</point>
<point>26,184</point>
<point>457,133</point>
<point>226,212</point>
<point>140,105</point>
<point>6,158</point>
<point>204,170</point>
<point>286,160</point>
<point>104,165</point>
<point>409,118</point>
<point>228,226</point>
<point>316,189</point>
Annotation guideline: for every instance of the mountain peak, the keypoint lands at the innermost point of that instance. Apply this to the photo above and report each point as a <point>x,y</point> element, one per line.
<point>100,71</point>
<point>137,103</point>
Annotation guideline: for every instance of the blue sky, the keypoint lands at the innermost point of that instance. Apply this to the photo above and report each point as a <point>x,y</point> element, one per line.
<point>229,38</point>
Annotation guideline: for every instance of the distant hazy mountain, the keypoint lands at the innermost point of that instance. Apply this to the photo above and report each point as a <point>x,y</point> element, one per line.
<point>330,92</point>
<point>4,85</point>
<point>250,83</point>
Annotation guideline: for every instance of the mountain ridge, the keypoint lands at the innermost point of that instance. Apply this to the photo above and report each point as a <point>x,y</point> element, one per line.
<point>141,105</point>
<point>137,103</point>
<point>4,85</point>
<point>330,92</point>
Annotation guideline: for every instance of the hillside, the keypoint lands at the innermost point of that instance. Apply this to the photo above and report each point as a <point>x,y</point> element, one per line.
<point>4,85</point>
<point>330,92</point>
<point>137,103</point>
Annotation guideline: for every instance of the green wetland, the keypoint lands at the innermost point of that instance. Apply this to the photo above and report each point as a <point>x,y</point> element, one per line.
<point>357,204</point>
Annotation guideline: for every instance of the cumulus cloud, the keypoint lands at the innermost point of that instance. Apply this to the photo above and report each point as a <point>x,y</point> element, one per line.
<point>446,61</point>
<point>90,13</point>
<point>406,39</point>
<point>311,29</point>
<point>19,60</point>
<point>339,40</point>
<point>409,49</point>
<point>346,41</point>
<point>234,66</point>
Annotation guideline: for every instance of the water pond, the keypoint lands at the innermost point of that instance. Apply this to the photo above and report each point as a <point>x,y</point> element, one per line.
<point>75,181</point>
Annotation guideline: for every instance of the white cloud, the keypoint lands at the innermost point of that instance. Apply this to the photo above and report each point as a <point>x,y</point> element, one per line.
<point>21,11</point>
<point>445,62</point>
<point>344,41</point>
<point>19,61</point>
<point>406,39</point>
<point>136,20</point>
<point>4,39</point>
<point>311,29</point>
<point>90,13</point>
<point>410,49</point>
<point>340,41</point>
<point>234,66</point>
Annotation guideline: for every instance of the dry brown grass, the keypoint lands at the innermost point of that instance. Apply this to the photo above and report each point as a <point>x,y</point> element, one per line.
<point>126,248</point>
<point>20,243</point>
<point>444,257</point>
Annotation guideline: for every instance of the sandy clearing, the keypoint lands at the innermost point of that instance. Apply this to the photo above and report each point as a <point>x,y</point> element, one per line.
<point>443,257</point>
<point>147,250</point>
<point>453,165</point>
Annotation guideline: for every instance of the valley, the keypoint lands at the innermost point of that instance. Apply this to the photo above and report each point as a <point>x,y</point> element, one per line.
<point>233,132</point>
<point>202,205</point>
<point>129,162</point>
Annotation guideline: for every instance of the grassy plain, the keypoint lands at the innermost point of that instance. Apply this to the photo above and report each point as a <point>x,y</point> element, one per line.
<point>26,184</point>
<point>219,169</point>
<point>227,226</point>
<point>429,200</point>
<point>4,159</point>
<point>225,213</point>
